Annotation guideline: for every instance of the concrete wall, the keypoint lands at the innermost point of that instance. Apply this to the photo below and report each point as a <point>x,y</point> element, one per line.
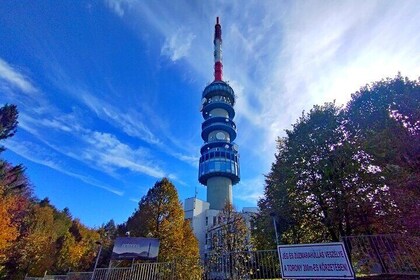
<point>196,211</point>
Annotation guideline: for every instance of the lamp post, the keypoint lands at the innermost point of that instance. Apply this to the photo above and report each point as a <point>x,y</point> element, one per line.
<point>97,258</point>
<point>273,215</point>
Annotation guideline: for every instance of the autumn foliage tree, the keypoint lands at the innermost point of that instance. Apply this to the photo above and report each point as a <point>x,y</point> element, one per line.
<point>35,237</point>
<point>231,233</point>
<point>160,215</point>
<point>229,242</point>
<point>107,232</point>
<point>15,192</point>
<point>9,227</point>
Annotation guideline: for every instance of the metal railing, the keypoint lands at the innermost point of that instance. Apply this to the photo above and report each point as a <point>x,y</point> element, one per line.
<point>384,254</point>
<point>68,276</point>
<point>237,265</point>
<point>375,255</point>
<point>243,265</point>
<point>150,271</point>
<point>79,275</point>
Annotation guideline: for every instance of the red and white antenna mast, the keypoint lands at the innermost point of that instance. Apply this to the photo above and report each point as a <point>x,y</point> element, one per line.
<point>218,65</point>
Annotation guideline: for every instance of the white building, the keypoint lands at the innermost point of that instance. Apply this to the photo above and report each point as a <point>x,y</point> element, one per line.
<point>203,219</point>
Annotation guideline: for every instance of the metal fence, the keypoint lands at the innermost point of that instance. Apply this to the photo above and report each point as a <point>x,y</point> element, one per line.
<point>150,271</point>
<point>68,276</point>
<point>48,277</point>
<point>243,265</point>
<point>237,265</point>
<point>79,275</point>
<point>376,255</point>
<point>384,254</point>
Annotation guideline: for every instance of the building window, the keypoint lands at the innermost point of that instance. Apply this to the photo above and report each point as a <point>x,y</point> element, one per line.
<point>207,221</point>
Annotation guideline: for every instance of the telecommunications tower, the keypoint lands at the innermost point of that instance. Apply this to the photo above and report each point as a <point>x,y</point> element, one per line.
<point>219,161</point>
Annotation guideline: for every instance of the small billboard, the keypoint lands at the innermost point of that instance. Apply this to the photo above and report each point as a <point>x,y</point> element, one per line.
<point>135,248</point>
<point>315,261</point>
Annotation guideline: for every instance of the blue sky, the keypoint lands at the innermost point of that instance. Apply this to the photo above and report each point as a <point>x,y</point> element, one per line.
<point>109,91</point>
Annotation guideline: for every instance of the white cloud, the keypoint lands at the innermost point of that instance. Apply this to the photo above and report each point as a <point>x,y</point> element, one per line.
<point>135,200</point>
<point>131,122</point>
<point>40,155</point>
<point>282,58</point>
<point>136,120</point>
<point>313,52</point>
<point>56,124</point>
<point>106,151</point>
<point>15,78</point>
<point>177,45</point>
<point>101,151</point>
<point>249,190</point>
<point>192,160</point>
<point>118,6</point>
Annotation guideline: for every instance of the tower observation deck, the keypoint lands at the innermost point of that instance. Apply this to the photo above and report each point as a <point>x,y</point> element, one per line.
<point>219,161</point>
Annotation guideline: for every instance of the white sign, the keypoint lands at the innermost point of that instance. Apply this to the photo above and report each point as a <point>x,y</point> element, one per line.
<point>314,261</point>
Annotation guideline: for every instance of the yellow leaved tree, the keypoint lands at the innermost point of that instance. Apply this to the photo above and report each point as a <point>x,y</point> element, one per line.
<point>160,215</point>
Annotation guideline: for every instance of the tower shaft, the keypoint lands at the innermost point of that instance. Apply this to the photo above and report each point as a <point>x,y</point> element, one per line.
<point>219,192</point>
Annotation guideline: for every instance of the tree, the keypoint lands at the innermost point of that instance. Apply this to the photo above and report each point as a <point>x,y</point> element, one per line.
<point>15,192</point>
<point>348,171</point>
<point>160,215</point>
<point>8,122</point>
<point>108,232</point>
<point>35,249</point>
<point>275,204</point>
<point>76,249</point>
<point>230,239</point>
<point>9,227</point>
<point>49,240</point>
<point>384,117</point>
<point>34,235</point>
<point>15,196</point>
<point>330,186</point>
<point>231,233</point>
<point>12,178</point>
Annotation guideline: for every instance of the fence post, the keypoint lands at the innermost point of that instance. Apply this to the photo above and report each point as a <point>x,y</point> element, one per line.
<point>375,248</point>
